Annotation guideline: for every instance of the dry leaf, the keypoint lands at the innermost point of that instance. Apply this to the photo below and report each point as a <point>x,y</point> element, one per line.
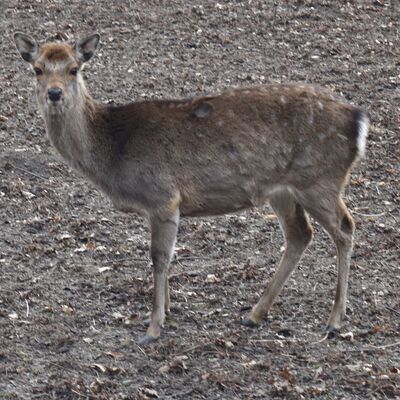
<point>205,376</point>
<point>67,309</point>
<point>13,315</point>
<point>130,318</point>
<point>317,389</point>
<point>102,269</point>
<point>108,370</point>
<point>117,315</point>
<point>151,393</point>
<point>64,236</point>
<point>269,216</point>
<point>114,354</point>
<point>354,367</point>
<point>211,278</point>
<point>115,371</point>
<point>27,194</point>
<point>347,336</point>
<point>286,374</point>
<point>81,249</point>
<point>100,248</point>
<point>376,329</point>
<point>299,389</point>
<point>96,386</point>
<point>318,372</point>
<point>250,364</point>
<point>100,367</point>
<point>282,386</point>
<point>164,369</point>
<point>90,245</point>
<point>177,364</point>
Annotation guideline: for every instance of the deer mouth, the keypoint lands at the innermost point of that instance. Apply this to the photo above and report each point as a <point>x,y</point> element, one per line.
<point>54,107</point>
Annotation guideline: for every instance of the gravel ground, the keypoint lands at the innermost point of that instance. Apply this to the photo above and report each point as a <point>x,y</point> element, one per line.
<point>75,279</point>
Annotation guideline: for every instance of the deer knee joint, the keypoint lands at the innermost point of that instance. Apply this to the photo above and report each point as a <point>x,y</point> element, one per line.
<point>160,259</point>
<point>308,233</point>
<point>347,224</point>
<point>304,231</point>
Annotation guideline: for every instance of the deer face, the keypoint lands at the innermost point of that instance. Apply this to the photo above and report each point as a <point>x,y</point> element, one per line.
<point>57,67</point>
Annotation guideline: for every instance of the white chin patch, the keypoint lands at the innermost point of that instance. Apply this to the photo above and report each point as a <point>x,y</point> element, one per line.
<point>54,107</point>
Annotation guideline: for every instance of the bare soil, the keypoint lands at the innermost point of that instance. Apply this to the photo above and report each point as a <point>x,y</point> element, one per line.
<point>75,274</point>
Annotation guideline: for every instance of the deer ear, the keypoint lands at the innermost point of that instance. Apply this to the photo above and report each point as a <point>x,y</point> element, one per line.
<point>85,48</point>
<point>27,46</point>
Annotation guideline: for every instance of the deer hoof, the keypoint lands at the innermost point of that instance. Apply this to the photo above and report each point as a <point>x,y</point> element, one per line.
<point>146,340</point>
<point>248,322</point>
<point>331,331</point>
<point>146,322</point>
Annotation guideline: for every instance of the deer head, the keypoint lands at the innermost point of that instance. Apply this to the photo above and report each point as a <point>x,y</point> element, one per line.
<point>59,84</point>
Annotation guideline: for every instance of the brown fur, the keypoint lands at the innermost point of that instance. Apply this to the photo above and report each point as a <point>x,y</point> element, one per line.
<point>240,162</point>
<point>291,144</point>
<point>56,52</point>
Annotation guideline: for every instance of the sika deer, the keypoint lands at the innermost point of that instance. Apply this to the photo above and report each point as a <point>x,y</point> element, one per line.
<point>293,145</point>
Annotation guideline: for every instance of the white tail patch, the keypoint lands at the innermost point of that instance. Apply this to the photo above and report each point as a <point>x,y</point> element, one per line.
<point>363,124</point>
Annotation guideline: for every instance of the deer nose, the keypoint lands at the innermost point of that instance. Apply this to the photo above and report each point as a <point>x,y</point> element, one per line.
<point>54,93</point>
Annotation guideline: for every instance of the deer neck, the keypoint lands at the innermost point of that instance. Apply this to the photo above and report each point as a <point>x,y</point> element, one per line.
<point>72,133</point>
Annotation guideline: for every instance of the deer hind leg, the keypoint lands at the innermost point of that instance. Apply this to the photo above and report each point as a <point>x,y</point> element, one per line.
<point>163,236</point>
<point>334,217</point>
<point>298,234</point>
<point>167,298</point>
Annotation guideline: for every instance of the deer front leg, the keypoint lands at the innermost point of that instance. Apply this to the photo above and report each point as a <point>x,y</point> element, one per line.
<point>163,236</point>
<point>147,321</point>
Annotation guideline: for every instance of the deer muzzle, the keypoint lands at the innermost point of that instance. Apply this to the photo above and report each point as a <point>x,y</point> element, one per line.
<point>54,94</point>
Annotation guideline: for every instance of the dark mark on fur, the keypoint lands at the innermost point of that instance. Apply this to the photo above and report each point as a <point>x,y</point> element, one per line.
<point>202,110</point>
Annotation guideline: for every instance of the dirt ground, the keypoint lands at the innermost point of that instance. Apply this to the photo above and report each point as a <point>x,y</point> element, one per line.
<point>75,274</point>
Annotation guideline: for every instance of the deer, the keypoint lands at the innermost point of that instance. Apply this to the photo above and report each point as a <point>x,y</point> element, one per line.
<point>290,144</point>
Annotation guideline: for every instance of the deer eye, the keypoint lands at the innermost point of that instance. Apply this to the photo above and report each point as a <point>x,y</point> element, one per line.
<point>38,71</point>
<point>73,71</point>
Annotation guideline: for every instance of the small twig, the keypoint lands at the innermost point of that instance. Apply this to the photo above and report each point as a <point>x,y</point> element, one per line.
<point>87,396</point>
<point>385,346</point>
<point>186,393</point>
<point>144,353</point>
<point>371,348</point>
<point>110,261</point>
<point>188,273</point>
<point>325,337</point>
<point>30,173</point>
<point>275,340</point>
<point>27,308</point>
<point>393,310</point>
<point>192,258</point>
<point>128,259</point>
<point>369,215</point>
<point>379,389</point>
<point>190,349</point>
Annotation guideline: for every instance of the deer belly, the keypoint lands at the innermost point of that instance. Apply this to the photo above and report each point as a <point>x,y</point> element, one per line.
<point>225,199</point>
